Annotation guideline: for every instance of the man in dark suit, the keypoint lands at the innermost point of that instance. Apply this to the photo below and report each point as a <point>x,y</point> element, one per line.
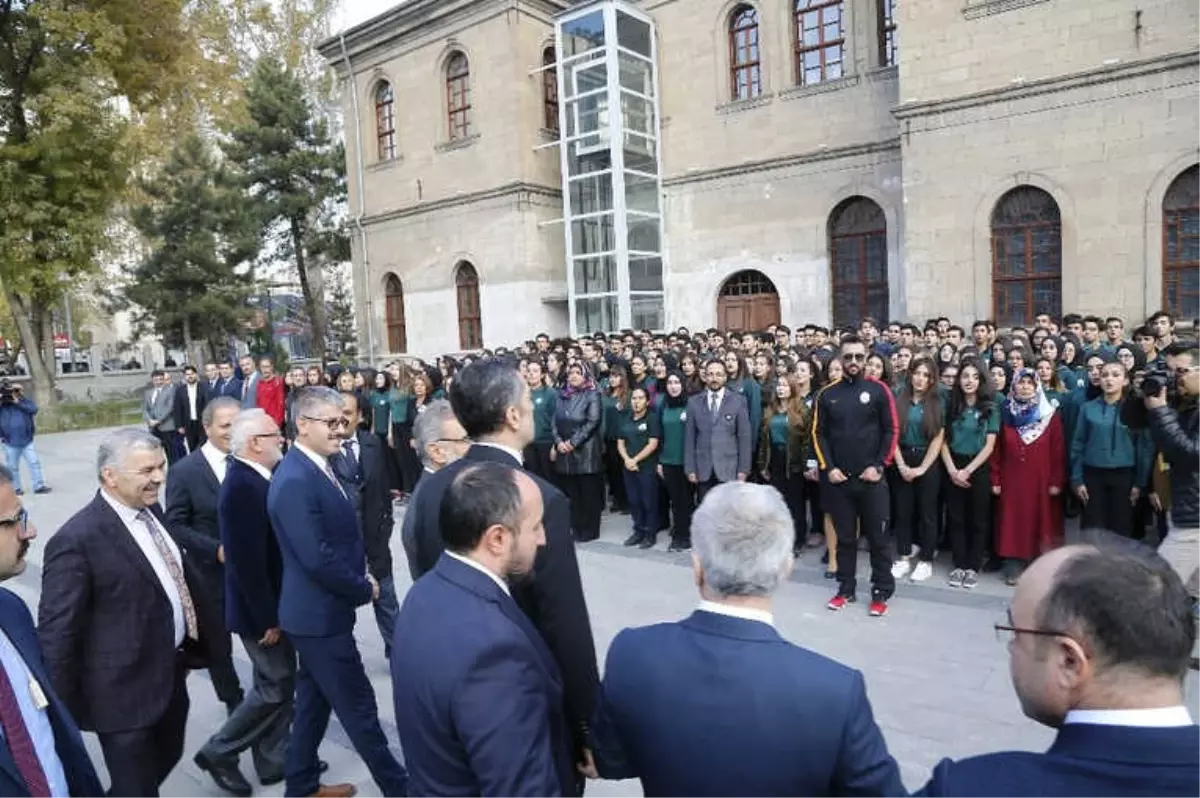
<point>45,753</point>
<point>803,724</point>
<point>228,383</point>
<point>190,399</point>
<point>325,578</point>
<point>718,441</point>
<point>248,381</point>
<point>493,405</point>
<point>124,616</point>
<point>439,440</point>
<point>480,712</point>
<point>158,411</point>
<point>1100,638</point>
<point>362,466</point>
<point>192,488</point>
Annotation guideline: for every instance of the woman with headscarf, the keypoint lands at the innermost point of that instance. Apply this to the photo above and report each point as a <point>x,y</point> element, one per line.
<point>1028,476</point>
<point>681,495</point>
<point>578,450</point>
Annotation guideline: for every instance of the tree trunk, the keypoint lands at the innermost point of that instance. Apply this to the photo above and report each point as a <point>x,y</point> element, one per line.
<point>313,293</point>
<point>32,332</point>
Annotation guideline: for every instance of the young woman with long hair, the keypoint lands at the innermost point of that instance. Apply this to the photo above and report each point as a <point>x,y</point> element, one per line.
<point>999,377</point>
<point>614,405</point>
<point>1051,382</point>
<point>689,370</point>
<point>640,376</point>
<point>681,494</point>
<point>785,446</point>
<point>314,376</point>
<point>878,368</point>
<point>380,398</point>
<point>804,385</point>
<point>638,445</point>
<point>915,479</point>
<point>403,418</point>
<point>544,398</point>
<point>1052,350</point>
<point>740,380</point>
<point>972,426</point>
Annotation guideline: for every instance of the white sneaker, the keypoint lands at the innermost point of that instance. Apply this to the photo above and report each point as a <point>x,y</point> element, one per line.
<point>900,568</point>
<point>922,572</point>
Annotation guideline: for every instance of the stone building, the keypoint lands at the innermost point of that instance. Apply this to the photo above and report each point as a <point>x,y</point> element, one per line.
<point>772,160</point>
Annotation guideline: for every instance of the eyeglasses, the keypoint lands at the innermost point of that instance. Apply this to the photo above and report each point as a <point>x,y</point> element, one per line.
<point>276,434</point>
<point>463,439</point>
<point>20,520</point>
<point>332,423</point>
<point>1007,633</point>
<point>855,357</point>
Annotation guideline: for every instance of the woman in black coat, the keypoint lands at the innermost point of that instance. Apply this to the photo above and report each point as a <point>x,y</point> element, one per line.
<point>578,451</point>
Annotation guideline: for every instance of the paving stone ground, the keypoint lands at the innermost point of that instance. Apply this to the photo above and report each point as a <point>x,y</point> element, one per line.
<point>937,678</point>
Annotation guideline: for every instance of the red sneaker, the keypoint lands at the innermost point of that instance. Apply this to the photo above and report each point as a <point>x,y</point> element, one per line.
<point>839,601</point>
<point>878,609</point>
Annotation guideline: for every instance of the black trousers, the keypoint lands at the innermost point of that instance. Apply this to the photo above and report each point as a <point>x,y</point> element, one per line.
<point>407,461</point>
<point>392,466</point>
<point>171,444</point>
<point>915,507</point>
<point>139,760</point>
<point>681,496</point>
<point>193,433</point>
<point>1108,506</point>
<point>586,493</point>
<point>613,468</point>
<point>969,515</point>
<point>863,506</point>
<point>816,514</point>
<point>537,461</point>
<point>702,489</point>
<point>791,487</point>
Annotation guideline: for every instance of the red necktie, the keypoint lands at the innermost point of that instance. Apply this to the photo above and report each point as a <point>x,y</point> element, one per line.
<point>20,744</point>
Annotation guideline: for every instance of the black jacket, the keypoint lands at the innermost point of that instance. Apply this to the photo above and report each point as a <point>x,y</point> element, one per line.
<point>368,489</point>
<point>854,426</point>
<point>1177,436</point>
<point>192,490</point>
<point>183,413</point>
<point>577,420</point>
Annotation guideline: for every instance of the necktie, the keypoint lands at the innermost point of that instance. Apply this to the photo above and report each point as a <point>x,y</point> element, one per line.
<point>154,397</point>
<point>712,403</point>
<point>351,460</point>
<point>245,387</point>
<point>176,572</point>
<point>20,742</point>
<point>337,483</point>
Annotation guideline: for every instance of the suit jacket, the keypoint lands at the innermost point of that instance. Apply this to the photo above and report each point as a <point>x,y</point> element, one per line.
<point>192,489</point>
<point>802,722</point>
<point>718,446</point>
<point>160,409</point>
<point>17,624</point>
<point>106,625</point>
<point>182,411</point>
<point>253,564</point>
<point>369,488</point>
<point>479,712</point>
<point>250,386</point>
<point>231,387</point>
<point>1085,759</point>
<point>553,598</point>
<point>324,561</point>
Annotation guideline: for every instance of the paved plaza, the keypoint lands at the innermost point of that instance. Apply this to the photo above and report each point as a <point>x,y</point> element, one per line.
<point>936,676</point>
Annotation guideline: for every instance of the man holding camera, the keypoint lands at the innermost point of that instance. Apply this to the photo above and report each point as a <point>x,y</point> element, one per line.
<point>16,432</point>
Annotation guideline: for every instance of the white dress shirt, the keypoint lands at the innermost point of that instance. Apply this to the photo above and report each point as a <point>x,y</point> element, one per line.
<point>262,471</point>
<point>745,613</point>
<point>482,569</point>
<point>215,459</point>
<point>520,458</point>
<point>1157,718</point>
<point>141,536</point>
<point>193,390</point>
<point>323,465</point>
<point>37,721</point>
<point>714,400</point>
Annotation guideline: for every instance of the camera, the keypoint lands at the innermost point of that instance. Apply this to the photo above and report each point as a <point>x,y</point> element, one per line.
<point>7,391</point>
<point>1133,411</point>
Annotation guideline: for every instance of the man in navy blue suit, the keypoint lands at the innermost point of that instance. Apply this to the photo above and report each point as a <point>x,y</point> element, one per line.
<point>325,579</point>
<point>1100,637</point>
<point>480,711</point>
<point>720,703</point>
<point>44,754</point>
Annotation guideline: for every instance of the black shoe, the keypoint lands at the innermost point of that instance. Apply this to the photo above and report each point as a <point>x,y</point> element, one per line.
<point>676,546</point>
<point>831,574</point>
<point>825,558</point>
<point>648,542</point>
<point>633,539</point>
<point>225,774</point>
<point>42,489</point>
<point>269,781</point>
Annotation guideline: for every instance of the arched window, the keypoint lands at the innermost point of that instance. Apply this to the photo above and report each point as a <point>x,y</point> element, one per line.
<point>458,96</point>
<point>470,327</point>
<point>549,90</point>
<point>744,55</point>
<point>385,121</point>
<point>1181,246</point>
<point>858,262</point>
<point>397,333</point>
<point>887,32</point>
<point>820,40</point>
<point>1026,256</point>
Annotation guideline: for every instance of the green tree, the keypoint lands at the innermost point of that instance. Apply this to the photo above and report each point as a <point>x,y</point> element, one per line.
<point>343,335</point>
<point>202,236</point>
<point>72,72</point>
<point>296,175</point>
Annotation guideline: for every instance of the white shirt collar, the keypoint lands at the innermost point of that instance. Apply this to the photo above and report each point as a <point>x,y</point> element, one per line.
<point>482,569</point>
<point>128,514</point>
<point>322,462</point>
<point>520,458</point>
<point>1157,718</point>
<point>745,613</point>
<point>216,459</point>
<point>261,469</point>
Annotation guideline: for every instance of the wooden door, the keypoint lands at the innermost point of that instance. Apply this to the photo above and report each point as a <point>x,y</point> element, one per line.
<point>747,313</point>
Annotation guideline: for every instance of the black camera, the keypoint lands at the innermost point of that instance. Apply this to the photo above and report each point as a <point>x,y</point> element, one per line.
<point>1155,379</point>
<point>1133,411</point>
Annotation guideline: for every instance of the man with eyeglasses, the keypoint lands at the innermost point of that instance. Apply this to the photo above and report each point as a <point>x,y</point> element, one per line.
<point>855,435</point>
<point>1099,640</point>
<point>325,580</point>
<point>440,440</point>
<point>47,752</point>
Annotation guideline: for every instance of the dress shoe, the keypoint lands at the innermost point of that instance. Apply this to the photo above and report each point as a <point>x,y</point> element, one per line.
<point>679,545</point>
<point>633,539</point>
<point>225,774</point>
<point>268,781</point>
<point>648,542</point>
<point>335,791</point>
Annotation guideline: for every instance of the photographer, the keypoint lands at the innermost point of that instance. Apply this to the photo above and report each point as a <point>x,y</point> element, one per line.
<point>1175,425</point>
<point>16,433</point>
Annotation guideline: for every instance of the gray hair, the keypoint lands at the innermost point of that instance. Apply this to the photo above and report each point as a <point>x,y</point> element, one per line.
<point>246,424</point>
<point>743,537</point>
<point>220,403</point>
<point>310,400</point>
<point>429,426</point>
<point>117,445</point>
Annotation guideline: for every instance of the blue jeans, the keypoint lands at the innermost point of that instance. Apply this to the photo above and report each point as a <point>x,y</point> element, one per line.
<point>642,488</point>
<point>14,454</point>
<point>386,610</point>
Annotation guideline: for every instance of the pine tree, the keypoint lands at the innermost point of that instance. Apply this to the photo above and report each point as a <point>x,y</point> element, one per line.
<point>343,335</point>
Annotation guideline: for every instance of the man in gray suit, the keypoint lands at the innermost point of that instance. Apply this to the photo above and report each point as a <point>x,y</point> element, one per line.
<point>250,377</point>
<point>718,440</point>
<point>158,411</point>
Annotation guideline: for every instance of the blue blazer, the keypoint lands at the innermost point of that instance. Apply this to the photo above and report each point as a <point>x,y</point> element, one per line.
<point>1084,760</point>
<point>253,565</point>
<point>478,695</point>
<point>715,705</point>
<point>324,562</point>
<point>17,623</point>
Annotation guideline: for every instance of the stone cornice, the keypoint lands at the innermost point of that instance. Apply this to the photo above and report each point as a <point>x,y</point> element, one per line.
<point>1103,74</point>
<point>516,189</point>
<point>785,161</point>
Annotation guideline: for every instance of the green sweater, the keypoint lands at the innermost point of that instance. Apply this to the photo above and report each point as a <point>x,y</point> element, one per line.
<point>674,427</point>
<point>381,412</point>
<point>544,402</point>
<point>1101,440</point>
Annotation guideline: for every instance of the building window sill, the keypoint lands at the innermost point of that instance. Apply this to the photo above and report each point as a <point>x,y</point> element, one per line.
<point>457,144</point>
<point>974,9</point>
<point>735,106</point>
<point>547,134</point>
<point>883,73</point>
<point>382,166</point>
<point>820,88</point>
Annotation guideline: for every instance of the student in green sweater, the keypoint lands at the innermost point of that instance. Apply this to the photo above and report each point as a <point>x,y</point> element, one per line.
<point>680,494</point>
<point>638,446</point>
<point>537,453</point>
<point>614,404</point>
<point>1110,463</point>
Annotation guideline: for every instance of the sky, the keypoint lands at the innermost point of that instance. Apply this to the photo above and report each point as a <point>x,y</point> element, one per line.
<point>353,12</point>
